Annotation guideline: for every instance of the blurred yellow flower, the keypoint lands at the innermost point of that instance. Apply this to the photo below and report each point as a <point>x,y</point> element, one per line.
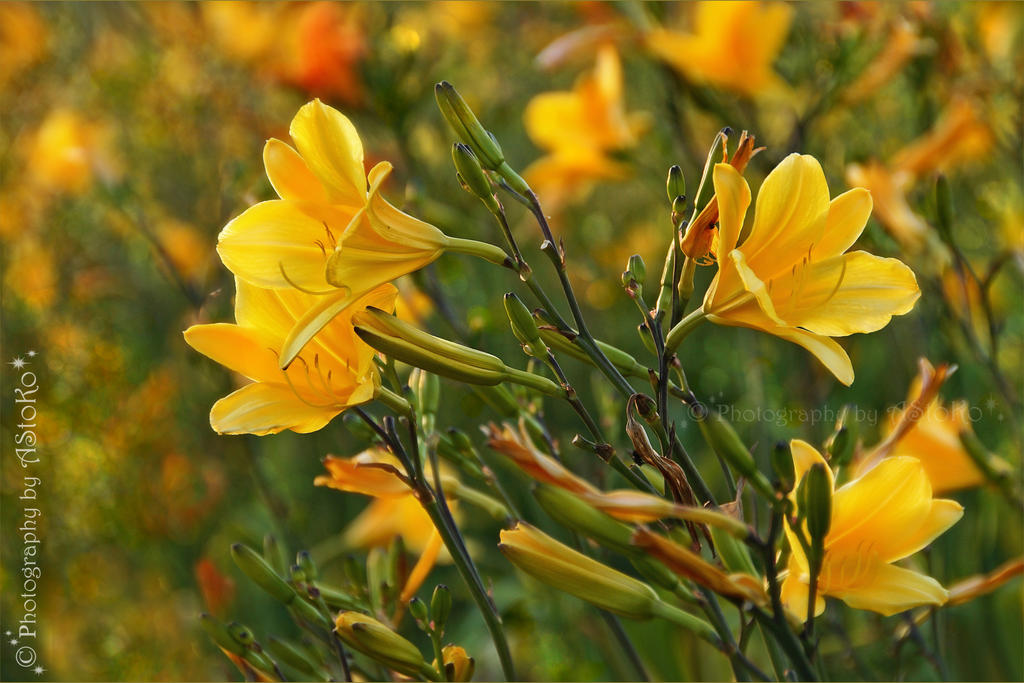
<point>932,435</point>
<point>325,44</point>
<point>24,39</point>
<point>578,128</point>
<point>68,151</point>
<point>791,277</point>
<point>335,370</point>
<point>881,517</point>
<point>732,46</point>
<point>31,273</point>
<point>395,510</point>
<point>902,44</point>
<point>185,247</point>
<point>328,234</point>
<point>960,135</point>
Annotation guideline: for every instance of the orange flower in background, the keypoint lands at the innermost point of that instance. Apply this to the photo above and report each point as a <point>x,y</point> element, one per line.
<point>327,42</point>
<point>902,44</point>
<point>960,135</point>
<point>334,371</point>
<point>578,128</point>
<point>24,39</point>
<point>394,511</point>
<point>732,45</point>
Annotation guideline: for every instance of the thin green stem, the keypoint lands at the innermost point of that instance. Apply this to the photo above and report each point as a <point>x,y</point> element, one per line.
<point>679,332</point>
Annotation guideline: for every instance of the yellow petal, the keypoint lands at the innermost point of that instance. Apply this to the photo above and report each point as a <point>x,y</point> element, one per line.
<point>891,590</point>
<point>795,592</point>
<point>289,174</point>
<point>331,148</point>
<point>272,311</point>
<point>263,408</point>
<point>248,352</point>
<point>880,509</point>
<point>847,215</point>
<point>806,456</point>
<point>733,195</point>
<point>943,515</point>
<point>825,349</point>
<point>755,286</point>
<point>397,226</point>
<point>789,215</point>
<point>275,236</point>
<point>855,292</point>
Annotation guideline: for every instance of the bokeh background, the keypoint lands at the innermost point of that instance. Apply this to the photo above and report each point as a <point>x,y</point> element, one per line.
<point>131,133</point>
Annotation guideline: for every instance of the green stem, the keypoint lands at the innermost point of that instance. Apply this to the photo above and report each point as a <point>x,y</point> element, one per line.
<point>393,401</point>
<point>528,379</point>
<point>476,589</point>
<point>484,250</point>
<point>698,626</point>
<point>678,333</point>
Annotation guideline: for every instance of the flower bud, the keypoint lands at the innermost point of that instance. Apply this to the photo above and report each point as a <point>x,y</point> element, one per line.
<point>572,513</point>
<point>626,363</point>
<point>374,639</point>
<point>426,388</point>
<point>273,553</point>
<point>458,666</point>
<point>220,635</point>
<point>440,607</point>
<point>724,440</point>
<point>563,568</point>
<point>524,327</point>
<point>404,342</point>
<point>782,466</point>
<point>419,611</point>
<point>636,272</point>
<point>305,561</point>
<point>840,447</point>
<point>816,488</point>
<point>288,654</point>
<point>261,573</point>
<point>472,175</point>
<point>675,186</point>
<point>647,338</point>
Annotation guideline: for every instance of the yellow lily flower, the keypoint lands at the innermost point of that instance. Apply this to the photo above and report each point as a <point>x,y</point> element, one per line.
<point>578,128</point>
<point>791,277</point>
<point>335,371</point>
<point>884,516</point>
<point>732,46</point>
<point>329,233</point>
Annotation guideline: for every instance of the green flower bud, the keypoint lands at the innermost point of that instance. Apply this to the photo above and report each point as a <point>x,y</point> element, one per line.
<point>426,388</point>
<point>274,554</point>
<point>288,654</point>
<point>563,568</point>
<point>635,274</point>
<point>817,504</point>
<point>782,466</point>
<point>472,174</point>
<point>524,327</point>
<point>726,443</point>
<point>261,573</point>
<point>440,607</point>
<point>468,128</point>
<point>572,513</point>
<point>374,639</point>
<point>305,561</point>
<point>220,635</point>
<point>419,611</point>
<point>675,186</point>
<point>840,447</point>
